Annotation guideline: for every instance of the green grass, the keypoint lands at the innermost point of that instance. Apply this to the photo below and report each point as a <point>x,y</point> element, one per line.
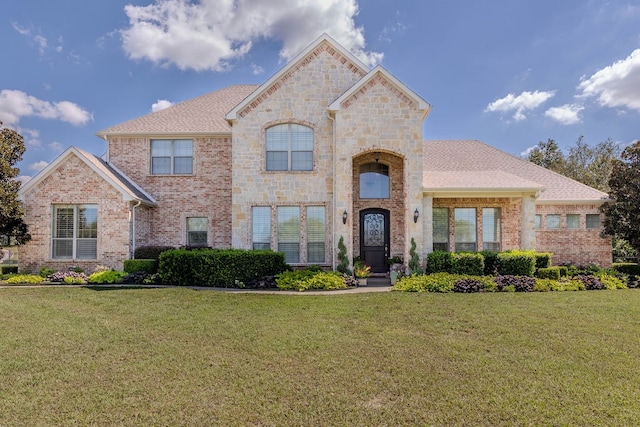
<point>76,356</point>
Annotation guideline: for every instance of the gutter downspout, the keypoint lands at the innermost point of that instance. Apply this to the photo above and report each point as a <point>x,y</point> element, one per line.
<point>333,215</point>
<point>133,229</point>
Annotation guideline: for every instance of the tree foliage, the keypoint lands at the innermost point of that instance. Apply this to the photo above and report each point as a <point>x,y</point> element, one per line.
<point>623,213</point>
<point>587,164</point>
<point>11,211</point>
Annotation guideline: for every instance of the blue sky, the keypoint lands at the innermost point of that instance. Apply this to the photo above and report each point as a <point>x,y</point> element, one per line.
<point>510,73</point>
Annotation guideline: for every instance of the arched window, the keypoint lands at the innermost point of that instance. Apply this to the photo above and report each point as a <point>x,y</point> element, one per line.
<point>289,147</point>
<point>374,181</point>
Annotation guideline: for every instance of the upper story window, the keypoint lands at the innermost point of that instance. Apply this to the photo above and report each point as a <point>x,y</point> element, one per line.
<point>171,156</point>
<point>289,147</point>
<point>374,181</point>
<point>197,231</point>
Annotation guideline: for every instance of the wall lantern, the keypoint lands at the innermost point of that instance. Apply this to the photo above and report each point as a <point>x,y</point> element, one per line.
<point>416,214</point>
<point>344,217</point>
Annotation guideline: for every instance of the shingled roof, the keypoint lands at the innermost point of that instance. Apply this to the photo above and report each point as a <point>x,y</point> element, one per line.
<point>202,115</point>
<point>471,163</point>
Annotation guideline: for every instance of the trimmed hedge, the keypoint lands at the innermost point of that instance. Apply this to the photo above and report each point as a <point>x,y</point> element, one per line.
<point>439,262</point>
<point>471,264</point>
<point>549,273</point>
<point>543,259</point>
<point>490,263</point>
<point>9,269</point>
<point>218,267</point>
<point>150,252</point>
<point>517,263</point>
<point>627,268</point>
<point>147,265</point>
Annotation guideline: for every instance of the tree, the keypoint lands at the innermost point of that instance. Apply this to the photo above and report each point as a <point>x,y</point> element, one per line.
<point>548,155</point>
<point>623,213</point>
<point>11,210</point>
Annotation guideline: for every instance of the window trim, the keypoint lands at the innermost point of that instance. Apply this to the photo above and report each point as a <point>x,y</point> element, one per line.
<point>190,231</point>
<point>566,221</point>
<point>75,231</point>
<point>290,151</point>
<point>172,157</point>
<point>475,230</point>
<point>433,228</point>
<point>546,221</point>
<point>587,222</point>
<point>497,232</point>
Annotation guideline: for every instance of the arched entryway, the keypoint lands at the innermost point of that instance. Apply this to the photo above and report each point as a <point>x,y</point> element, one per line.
<point>379,204</point>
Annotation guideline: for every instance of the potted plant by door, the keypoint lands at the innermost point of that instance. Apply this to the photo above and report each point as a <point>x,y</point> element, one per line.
<point>362,271</point>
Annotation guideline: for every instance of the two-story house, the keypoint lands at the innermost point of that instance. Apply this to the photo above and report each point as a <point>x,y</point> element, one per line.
<point>324,149</point>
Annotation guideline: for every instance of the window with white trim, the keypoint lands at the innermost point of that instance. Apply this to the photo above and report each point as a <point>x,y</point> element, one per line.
<point>440,220</point>
<point>491,229</point>
<point>465,229</point>
<point>75,232</point>
<point>197,231</point>
<point>288,232</point>
<point>316,234</point>
<point>573,221</point>
<point>289,147</point>
<point>261,227</point>
<point>171,156</point>
<point>593,221</point>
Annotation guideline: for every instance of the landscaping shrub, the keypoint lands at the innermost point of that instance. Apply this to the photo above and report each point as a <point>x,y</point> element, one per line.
<point>439,262</point>
<point>150,252</point>
<point>548,273</point>
<point>632,281</point>
<point>564,271</point>
<point>515,283</point>
<point>25,278</point>
<point>490,263</point>
<point>141,278</point>
<point>68,277</point>
<point>147,265</point>
<point>627,267</point>
<point>303,280</point>
<point>543,259</point>
<point>109,277</point>
<point>590,282</point>
<point>46,271</point>
<point>545,285</point>
<point>468,263</point>
<point>9,269</point>
<point>218,267</point>
<point>467,286</point>
<point>436,282</point>
<point>517,263</point>
<point>610,281</point>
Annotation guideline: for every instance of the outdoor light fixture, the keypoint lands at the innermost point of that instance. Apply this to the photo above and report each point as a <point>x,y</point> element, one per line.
<point>416,214</point>
<point>344,217</point>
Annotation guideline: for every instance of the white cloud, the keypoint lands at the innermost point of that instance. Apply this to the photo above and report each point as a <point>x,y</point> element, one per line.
<point>617,85</point>
<point>211,34</point>
<point>161,105</point>
<point>40,41</point>
<point>23,179</point>
<point>55,146</point>
<point>566,114</point>
<point>15,104</point>
<point>520,104</point>
<point>38,166</point>
<point>256,69</point>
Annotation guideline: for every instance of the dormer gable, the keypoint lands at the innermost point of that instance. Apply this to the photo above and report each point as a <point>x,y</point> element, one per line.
<point>379,75</point>
<point>324,43</point>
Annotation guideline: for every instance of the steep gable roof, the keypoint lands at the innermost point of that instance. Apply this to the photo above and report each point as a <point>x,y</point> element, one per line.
<point>201,115</point>
<point>444,161</point>
<point>385,77</point>
<point>130,190</point>
<point>324,42</point>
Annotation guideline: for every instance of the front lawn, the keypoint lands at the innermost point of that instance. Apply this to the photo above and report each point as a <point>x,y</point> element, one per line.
<point>76,356</point>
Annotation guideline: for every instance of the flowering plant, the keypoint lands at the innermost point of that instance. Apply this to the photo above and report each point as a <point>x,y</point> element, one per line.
<point>361,270</point>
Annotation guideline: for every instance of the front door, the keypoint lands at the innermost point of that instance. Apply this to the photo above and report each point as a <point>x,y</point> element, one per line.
<point>374,239</point>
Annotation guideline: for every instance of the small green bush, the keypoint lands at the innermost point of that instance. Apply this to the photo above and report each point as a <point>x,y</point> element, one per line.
<point>611,282</point>
<point>564,271</point>
<point>303,280</point>
<point>9,269</point>
<point>468,263</point>
<point>546,285</point>
<point>490,263</point>
<point>517,283</point>
<point>543,259</point>
<point>25,278</point>
<point>147,265</point>
<point>46,271</point>
<point>627,267</point>
<point>439,262</point>
<point>436,282</point>
<point>106,277</point>
<point>548,273</point>
<point>517,263</point>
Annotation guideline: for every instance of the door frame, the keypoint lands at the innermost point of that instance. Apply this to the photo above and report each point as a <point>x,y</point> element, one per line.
<point>387,235</point>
